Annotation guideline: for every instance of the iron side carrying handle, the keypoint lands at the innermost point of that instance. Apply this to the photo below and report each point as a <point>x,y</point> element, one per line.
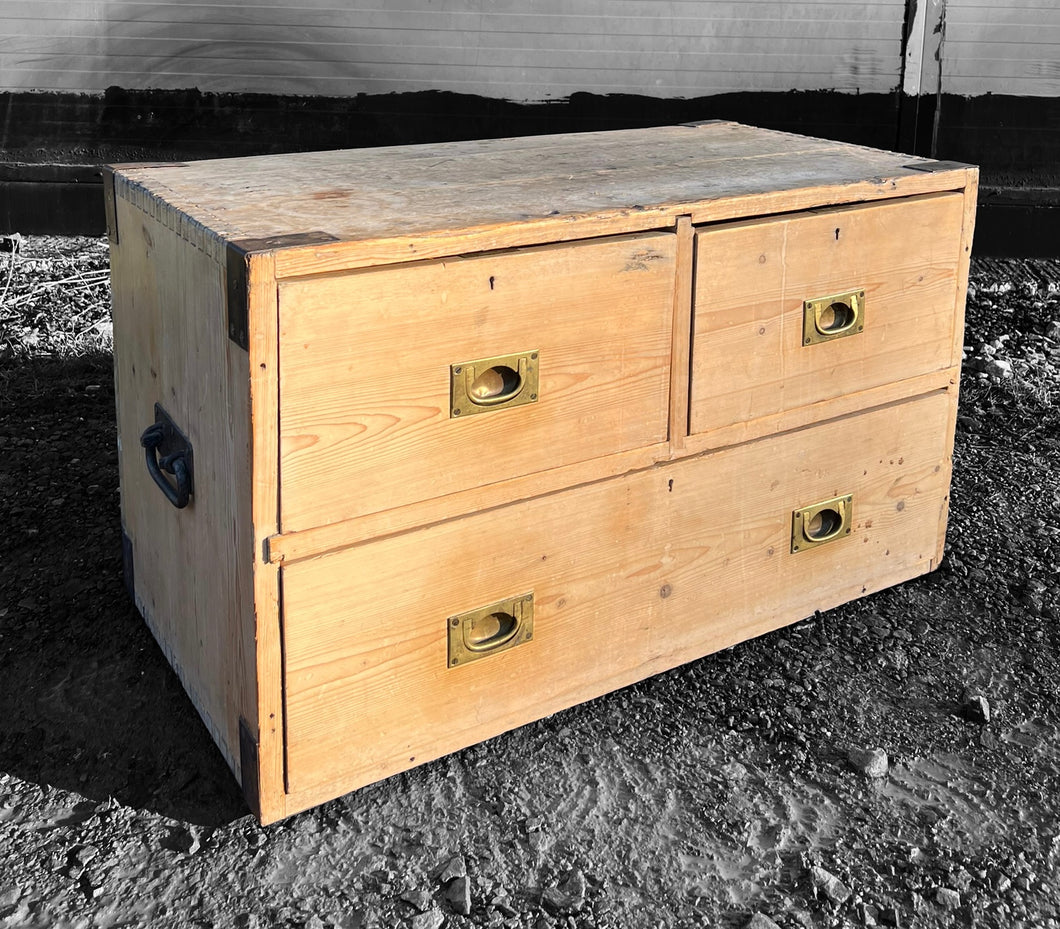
<point>167,449</point>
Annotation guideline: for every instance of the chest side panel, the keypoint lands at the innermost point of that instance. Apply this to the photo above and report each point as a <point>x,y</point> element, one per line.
<point>191,567</point>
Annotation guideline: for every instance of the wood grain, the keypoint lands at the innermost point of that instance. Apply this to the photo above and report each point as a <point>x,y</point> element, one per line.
<point>192,566</point>
<point>960,299</point>
<point>261,393</point>
<point>681,349</point>
<point>832,408</point>
<point>398,204</point>
<point>631,576</point>
<point>365,420</point>
<point>287,547</point>
<point>748,359</point>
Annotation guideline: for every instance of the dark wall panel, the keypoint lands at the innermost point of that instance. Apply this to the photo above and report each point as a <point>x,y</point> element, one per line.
<point>54,142</point>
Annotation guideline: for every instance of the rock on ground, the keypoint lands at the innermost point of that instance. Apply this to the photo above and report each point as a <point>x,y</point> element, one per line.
<point>568,897</point>
<point>459,895</point>
<point>872,762</point>
<point>833,888</point>
<point>432,919</point>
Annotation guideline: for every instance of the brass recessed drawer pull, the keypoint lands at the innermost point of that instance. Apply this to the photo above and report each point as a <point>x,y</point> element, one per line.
<point>496,383</point>
<point>822,522</point>
<point>491,629</point>
<point>833,317</point>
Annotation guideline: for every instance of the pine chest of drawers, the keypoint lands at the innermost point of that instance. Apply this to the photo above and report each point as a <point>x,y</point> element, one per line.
<point>420,444</point>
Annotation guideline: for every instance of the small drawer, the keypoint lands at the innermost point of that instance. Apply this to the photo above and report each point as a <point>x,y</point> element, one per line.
<point>796,310</point>
<point>399,650</point>
<point>409,382</point>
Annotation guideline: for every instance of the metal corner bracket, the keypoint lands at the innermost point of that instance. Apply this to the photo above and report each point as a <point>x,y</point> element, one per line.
<point>110,205</point>
<point>238,253</point>
<point>248,767</point>
<point>932,166</point>
<point>237,296</point>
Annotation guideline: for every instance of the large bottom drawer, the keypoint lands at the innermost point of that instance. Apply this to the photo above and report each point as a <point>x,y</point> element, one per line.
<point>629,577</point>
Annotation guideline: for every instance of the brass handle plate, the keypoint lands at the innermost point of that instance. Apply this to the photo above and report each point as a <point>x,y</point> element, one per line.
<point>821,522</point>
<point>490,630</point>
<point>834,317</point>
<point>496,383</point>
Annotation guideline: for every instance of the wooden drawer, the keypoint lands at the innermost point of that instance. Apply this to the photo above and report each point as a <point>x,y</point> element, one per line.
<point>366,359</point>
<point>750,360</point>
<point>630,576</point>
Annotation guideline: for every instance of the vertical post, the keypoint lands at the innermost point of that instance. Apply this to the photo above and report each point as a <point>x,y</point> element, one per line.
<point>920,92</point>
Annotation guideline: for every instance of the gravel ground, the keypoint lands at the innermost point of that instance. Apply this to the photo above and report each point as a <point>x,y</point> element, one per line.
<point>893,762</point>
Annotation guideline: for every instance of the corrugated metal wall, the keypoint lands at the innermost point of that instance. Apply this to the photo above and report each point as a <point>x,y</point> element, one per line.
<point>1002,47</point>
<point>525,51</point>
<point>116,80</point>
<point>510,49</point>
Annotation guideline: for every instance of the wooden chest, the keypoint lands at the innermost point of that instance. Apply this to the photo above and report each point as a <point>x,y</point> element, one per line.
<point>420,444</point>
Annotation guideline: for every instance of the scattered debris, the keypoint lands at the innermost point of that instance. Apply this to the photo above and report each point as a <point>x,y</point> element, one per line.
<point>735,772</point>
<point>872,762</point>
<point>184,839</point>
<point>891,916</point>
<point>975,706</point>
<point>420,899</point>
<point>725,765</point>
<point>458,893</point>
<point>432,919</point>
<point>568,897</point>
<point>834,889</point>
<point>998,367</point>
<point>83,854</point>
<point>454,867</point>
<point>948,898</point>
<point>869,915</point>
<point>503,904</point>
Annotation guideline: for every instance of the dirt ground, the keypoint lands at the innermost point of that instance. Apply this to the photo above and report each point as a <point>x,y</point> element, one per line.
<point>893,762</point>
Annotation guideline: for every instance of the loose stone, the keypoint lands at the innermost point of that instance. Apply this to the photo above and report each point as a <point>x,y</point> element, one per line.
<point>432,919</point>
<point>872,762</point>
<point>834,889</point>
<point>459,895</point>
<point>948,898</point>
<point>975,707</point>
<point>418,898</point>
<point>454,867</point>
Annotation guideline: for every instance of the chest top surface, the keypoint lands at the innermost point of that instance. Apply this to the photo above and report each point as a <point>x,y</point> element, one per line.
<point>627,179</point>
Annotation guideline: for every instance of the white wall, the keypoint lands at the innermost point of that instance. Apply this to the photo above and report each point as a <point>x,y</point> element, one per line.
<point>525,50</point>
<point>512,49</point>
<point>1002,47</point>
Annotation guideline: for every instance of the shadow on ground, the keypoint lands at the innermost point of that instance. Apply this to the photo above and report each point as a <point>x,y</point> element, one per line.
<point>87,700</point>
<point>714,794</point>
